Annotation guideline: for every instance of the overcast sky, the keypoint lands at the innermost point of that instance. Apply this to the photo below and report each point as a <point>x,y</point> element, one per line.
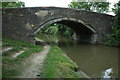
<point>56,3</point>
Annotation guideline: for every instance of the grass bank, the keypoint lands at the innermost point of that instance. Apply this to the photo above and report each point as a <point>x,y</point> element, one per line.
<point>58,65</point>
<point>13,66</point>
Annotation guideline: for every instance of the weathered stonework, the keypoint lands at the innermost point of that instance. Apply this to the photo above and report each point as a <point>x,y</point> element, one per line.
<point>24,23</point>
<point>41,13</point>
<point>29,26</point>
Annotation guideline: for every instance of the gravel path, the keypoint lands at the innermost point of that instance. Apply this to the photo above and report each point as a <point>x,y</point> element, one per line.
<point>33,65</point>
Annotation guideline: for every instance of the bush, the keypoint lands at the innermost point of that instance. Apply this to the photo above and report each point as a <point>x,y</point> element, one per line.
<point>113,39</point>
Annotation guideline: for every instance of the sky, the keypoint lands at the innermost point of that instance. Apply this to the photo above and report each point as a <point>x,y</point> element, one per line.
<point>55,3</point>
<point>39,3</point>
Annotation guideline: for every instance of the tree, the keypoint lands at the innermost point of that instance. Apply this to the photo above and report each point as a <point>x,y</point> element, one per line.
<point>13,4</point>
<point>58,29</point>
<point>114,38</point>
<point>91,6</point>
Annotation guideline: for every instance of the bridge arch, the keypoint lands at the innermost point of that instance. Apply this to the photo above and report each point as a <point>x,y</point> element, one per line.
<point>62,21</point>
<point>24,23</point>
<point>83,30</point>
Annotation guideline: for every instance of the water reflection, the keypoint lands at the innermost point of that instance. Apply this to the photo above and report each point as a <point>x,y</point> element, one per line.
<point>95,60</point>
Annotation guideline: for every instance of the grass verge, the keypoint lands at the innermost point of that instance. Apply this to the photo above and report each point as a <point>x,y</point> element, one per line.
<point>58,65</point>
<point>12,67</point>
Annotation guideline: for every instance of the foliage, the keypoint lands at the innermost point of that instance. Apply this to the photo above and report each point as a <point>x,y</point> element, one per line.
<point>57,65</point>
<point>13,4</point>
<point>58,29</point>
<point>115,9</point>
<point>91,6</point>
<point>114,37</point>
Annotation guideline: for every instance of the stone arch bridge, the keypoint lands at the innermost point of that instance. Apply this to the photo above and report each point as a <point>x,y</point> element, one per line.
<point>24,23</point>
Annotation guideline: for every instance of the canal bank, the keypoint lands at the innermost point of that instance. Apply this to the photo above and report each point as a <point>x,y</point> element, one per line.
<point>94,60</point>
<point>30,61</point>
<point>58,65</point>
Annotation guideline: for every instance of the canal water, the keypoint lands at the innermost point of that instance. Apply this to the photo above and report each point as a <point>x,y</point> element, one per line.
<point>95,60</point>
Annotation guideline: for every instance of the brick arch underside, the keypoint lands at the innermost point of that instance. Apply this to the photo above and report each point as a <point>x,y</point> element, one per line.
<point>83,30</point>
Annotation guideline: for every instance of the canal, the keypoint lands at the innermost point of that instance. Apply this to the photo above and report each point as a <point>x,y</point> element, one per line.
<point>95,60</point>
